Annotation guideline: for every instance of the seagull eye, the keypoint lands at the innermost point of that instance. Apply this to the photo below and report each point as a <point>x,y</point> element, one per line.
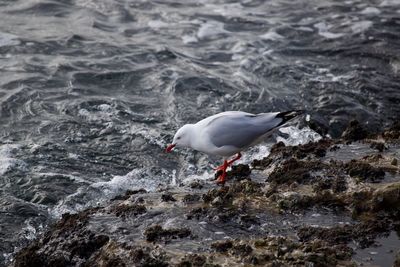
<point>178,137</point>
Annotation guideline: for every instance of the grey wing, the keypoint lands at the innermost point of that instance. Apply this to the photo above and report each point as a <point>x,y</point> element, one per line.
<point>241,130</point>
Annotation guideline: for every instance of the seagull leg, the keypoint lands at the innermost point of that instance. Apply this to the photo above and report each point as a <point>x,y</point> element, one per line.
<point>229,162</point>
<point>221,177</point>
<point>238,156</point>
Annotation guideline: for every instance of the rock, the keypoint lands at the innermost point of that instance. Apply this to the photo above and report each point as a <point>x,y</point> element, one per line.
<point>239,172</point>
<point>68,234</point>
<point>241,250</point>
<point>363,233</point>
<point>222,246</point>
<point>393,133</point>
<point>195,185</point>
<point>195,260</point>
<point>132,230</point>
<point>394,162</point>
<point>387,198</point>
<point>294,170</point>
<point>354,132</point>
<point>157,233</point>
<point>190,198</point>
<point>397,260</point>
<point>129,193</point>
<point>124,210</point>
<point>364,171</point>
<point>167,198</point>
<point>378,146</point>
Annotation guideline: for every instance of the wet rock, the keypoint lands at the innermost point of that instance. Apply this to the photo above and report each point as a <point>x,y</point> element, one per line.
<point>197,213</point>
<point>190,198</point>
<point>336,183</point>
<point>167,198</point>
<point>294,170</point>
<point>227,193</point>
<point>195,185</point>
<point>124,210</point>
<point>196,260</point>
<point>301,178</point>
<point>387,198</point>
<point>144,256</point>
<point>279,152</point>
<point>296,202</point>
<point>157,233</point>
<point>363,233</point>
<point>120,255</point>
<point>129,193</point>
<point>397,260</point>
<point>318,127</point>
<point>28,257</point>
<point>354,132</point>
<point>316,148</point>
<point>239,172</point>
<point>282,251</point>
<point>378,146</point>
<point>222,246</point>
<point>364,171</point>
<point>67,243</point>
<point>193,260</point>
<point>241,250</point>
<point>261,164</point>
<point>394,162</point>
<point>393,133</point>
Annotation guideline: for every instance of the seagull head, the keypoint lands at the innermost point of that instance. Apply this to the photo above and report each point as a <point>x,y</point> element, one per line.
<point>181,138</point>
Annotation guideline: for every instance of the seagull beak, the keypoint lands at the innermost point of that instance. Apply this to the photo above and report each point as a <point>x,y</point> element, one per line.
<point>169,148</point>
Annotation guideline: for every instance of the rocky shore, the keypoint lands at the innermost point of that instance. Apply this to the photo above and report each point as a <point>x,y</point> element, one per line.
<point>319,204</point>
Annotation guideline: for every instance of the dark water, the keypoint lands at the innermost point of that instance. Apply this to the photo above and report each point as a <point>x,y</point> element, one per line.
<point>92,90</point>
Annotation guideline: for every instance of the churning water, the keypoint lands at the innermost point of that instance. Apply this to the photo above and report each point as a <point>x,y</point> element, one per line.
<point>92,90</point>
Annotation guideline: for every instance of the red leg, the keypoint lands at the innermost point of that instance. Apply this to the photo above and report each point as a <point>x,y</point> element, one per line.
<point>238,156</point>
<point>220,168</point>
<point>221,177</point>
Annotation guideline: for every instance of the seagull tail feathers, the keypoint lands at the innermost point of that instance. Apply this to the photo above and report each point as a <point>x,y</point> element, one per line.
<point>288,115</point>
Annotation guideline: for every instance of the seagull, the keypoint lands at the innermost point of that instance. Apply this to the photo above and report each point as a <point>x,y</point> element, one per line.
<point>228,133</point>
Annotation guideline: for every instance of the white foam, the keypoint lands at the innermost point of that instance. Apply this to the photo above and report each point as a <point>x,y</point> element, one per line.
<point>210,29</point>
<point>323,30</point>
<point>98,193</point>
<point>305,29</point>
<point>7,39</point>
<point>257,152</point>
<point>227,10</point>
<point>271,35</point>
<point>136,179</point>
<point>361,26</point>
<point>30,232</point>
<point>298,136</point>
<point>390,3</point>
<point>203,177</point>
<point>103,112</point>
<point>329,77</point>
<point>157,24</point>
<point>395,64</point>
<point>370,11</point>
<point>189,39</point>
<point>7,161</point>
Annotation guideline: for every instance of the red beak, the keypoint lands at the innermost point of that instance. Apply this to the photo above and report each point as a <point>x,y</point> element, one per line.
<point>169,148</point>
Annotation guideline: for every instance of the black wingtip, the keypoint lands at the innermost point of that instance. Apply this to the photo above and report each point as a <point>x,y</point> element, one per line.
<point>288,115</point>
